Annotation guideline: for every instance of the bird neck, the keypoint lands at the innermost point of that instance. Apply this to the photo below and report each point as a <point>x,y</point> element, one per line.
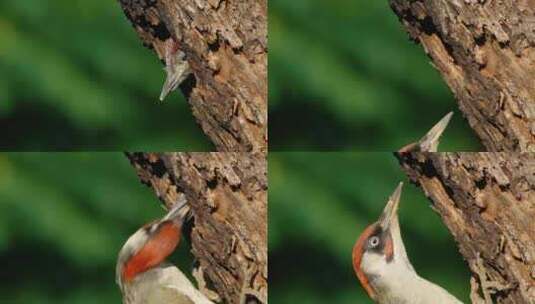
<point>135,290</point>
<point>164,284</point>
<point>402,285</point>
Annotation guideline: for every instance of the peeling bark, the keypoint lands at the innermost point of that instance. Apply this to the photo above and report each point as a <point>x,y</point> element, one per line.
<point>487,201</point>
<point>485,51</point>
<point>225,43</point>
<point>227,193</point>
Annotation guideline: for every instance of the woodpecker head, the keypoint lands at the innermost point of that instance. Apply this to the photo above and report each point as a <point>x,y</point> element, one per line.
<point>379,251</point>
<point>148,247</point>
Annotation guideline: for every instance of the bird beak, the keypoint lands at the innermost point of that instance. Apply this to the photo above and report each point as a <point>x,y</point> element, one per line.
<point>179,211</point>
<point>391,210</point>
<point>429,143</point>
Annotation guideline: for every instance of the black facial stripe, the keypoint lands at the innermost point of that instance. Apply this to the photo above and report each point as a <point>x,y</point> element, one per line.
<point>372,277</point>
<point>151,227</point>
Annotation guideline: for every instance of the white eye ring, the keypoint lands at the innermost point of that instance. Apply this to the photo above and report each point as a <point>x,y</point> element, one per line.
<point>374,241</point>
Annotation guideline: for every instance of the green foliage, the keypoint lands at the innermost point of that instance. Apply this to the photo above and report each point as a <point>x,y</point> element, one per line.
<point>76,77</point>
<point>63,219</point>
<point>319,203</point>
<point>344,75</point>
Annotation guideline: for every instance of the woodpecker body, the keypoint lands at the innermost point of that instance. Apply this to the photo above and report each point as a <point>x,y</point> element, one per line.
<point>383,267</point>
<point>142,274</point>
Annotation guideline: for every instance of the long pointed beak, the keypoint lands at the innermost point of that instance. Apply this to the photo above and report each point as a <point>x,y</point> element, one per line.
<point>391,210</point>
<point>180,211</point>
<point>429,143</point>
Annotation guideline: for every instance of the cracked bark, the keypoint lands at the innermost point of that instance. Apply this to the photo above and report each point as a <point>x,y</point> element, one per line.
<point>225,43</point>
<point>487,201</point>
<point>227,193</point>
<point>485,51</point>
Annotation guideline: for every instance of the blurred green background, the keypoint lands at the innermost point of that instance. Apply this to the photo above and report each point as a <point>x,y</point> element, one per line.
<point>75,76</point>
<point>319,203</point>
<point>63,219</point>
<point>344,75</point>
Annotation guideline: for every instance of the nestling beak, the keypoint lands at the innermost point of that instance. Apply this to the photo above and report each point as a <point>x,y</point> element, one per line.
<point>390,213</point>
<point>429,143</point>
<point>180,210</point>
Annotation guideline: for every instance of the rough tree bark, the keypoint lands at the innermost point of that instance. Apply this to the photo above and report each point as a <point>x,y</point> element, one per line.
<point>487,201</point>
<point>227,193</point>
<point>225,43</point>
<point>485,51</point>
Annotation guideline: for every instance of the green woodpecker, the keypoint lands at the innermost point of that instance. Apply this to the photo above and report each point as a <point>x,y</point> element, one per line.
<point>383,267</point>
<point>142,273</point>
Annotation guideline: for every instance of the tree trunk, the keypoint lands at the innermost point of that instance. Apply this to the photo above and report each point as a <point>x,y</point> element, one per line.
<point>485,51</point>
<point>487,201</point>
<point>227,193</point>
<point>225,43</point>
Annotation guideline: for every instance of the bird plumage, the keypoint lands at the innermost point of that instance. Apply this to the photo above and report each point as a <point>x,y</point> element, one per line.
<point>163,284</point>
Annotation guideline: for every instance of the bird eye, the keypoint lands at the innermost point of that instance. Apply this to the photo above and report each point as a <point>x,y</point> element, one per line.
<point>374,241</point>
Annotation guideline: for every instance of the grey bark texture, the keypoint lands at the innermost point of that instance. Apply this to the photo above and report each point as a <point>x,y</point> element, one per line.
<point>225,43</point>
<point>485,51</point>
<point>227,193</point>
<point>487,201</point>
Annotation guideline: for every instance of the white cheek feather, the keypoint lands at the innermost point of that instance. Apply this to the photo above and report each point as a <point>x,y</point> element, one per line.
<point>374,265</point>
<point>389,279</point>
